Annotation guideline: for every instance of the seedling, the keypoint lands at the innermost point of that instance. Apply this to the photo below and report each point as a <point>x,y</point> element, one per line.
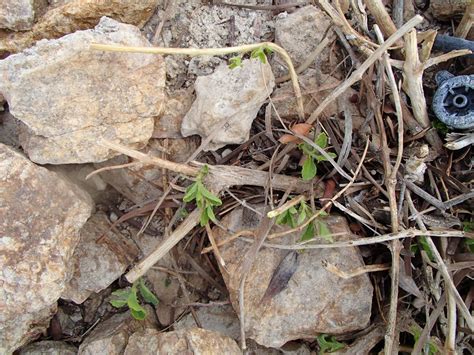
<point>327,344</point>
<point>312,156</point>
<point>294,217</point>
<point>430,347</point>
<point>129,297</point>
<point>205,199</point>
<point>259,53</point>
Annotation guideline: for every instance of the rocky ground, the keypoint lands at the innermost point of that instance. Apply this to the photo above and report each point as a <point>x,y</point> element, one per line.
<point>336,217</point>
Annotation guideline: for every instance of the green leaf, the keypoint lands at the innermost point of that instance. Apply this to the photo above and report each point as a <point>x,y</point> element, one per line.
<point>213,199</point>
<point>309,169</point>
<point>191,192</point>
<point>282,218</point>
<point>235,62</point>
<point>147,295</point>
<point>423,243</point>
<point>132,300</point>
<point>327,344</point>
<point>324,231</point>
<point>210,213</point>
<point>138,315</point>
<point>118,303</point>
<point>432,348</point>
<point>260,54</point>
<point>301,217</point>
<point>122,293</point>
<point>321,140</point>
<point>308,232</point>
<point>267,50</point>
<point>204,219</point>
<point>469,244</point>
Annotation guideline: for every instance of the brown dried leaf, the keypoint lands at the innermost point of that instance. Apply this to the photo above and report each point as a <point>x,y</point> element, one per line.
<point>281,276</point>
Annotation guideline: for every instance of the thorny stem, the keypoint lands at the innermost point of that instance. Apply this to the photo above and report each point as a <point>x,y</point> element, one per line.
<point>215,51</point>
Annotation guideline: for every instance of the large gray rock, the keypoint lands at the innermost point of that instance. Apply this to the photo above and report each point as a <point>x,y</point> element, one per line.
<point>39,229</point>
<point>301,31</point>
<point>228,94</point>
<point>186,341</point>
<point>67,16</point>
<point>220,319</point>
<point>48,347</point>
<point>315,301</point>
<point>101,257</point>
<point>70,97</point>
<point>17,15</point>
<point>111,336</point>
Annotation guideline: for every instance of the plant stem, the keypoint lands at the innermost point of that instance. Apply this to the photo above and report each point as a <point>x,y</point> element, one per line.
<point>215,51</point>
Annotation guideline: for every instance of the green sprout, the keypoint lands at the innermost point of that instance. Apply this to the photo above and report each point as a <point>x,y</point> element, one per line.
<point>328,344</point>
<point>129,297</point>
<point>205,200</point>
<point>294,217</point>
<point>312,156</point>
<point>259,53</point>
<point>430,347</point>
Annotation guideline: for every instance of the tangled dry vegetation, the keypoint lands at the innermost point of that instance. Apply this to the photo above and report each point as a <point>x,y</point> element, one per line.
<point>409,199</point>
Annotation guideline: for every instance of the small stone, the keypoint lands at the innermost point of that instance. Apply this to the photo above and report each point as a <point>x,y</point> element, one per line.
<point>185,341</point>
<point>301,31</point>
<point>70,97</point>
<point>100,258</point>
<point>168,125</point>
<point>17,15</point>
<point>48,347</point>
<point>111,336</point>
<point>315,300</point>
<point>220,319</point>
<point>39,229</point>
<point>65,17</point>
<point>233,95</point>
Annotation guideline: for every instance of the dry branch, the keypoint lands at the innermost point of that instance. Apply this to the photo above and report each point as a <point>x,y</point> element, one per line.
<point>219,178</point>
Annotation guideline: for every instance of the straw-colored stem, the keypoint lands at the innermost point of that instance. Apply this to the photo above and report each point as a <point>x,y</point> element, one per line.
<point>214,51</point>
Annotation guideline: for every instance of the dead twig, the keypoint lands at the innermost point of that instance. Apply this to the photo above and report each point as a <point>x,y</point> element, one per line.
<point>215,51</point>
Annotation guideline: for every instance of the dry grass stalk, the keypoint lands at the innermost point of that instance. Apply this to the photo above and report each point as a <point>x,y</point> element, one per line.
<point>215,51</point>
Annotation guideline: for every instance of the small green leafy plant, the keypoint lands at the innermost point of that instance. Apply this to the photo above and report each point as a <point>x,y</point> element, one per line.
<point>468,226</point>
<point>129,297</point>
<point>312,156</point>
<point>259,53</point>
<point>327,344</point>
<point>297,215</point>
<point>431,347</point>
<point>205,200</point>
<point>422,244</point>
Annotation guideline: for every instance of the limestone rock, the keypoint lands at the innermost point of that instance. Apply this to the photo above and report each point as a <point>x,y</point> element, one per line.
<point>228,94</point>
<point>100,258</point>
<point>222,319</point>
<point>141,183</point>
<point>48,347</point>
<point>301,31</point>
<point>17,15</point>
<point>185,341</point>
<point>111,336</point>
<point>168,125</point>
<point>315,301</point>
<point>317,87</point>
<point>70,97</point>
<point>39,229</point>
<point>64,17</point>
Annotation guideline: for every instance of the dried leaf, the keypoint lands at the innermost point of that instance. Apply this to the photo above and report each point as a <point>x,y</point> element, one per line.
<point>281,276</point>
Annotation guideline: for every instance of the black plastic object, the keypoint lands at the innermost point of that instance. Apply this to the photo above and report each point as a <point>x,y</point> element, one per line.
<point>453,101</point>
<point>447,43</point>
